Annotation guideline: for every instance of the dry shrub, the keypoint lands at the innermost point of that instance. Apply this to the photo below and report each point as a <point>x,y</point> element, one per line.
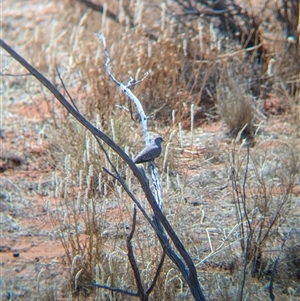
<point>262,189</point>
<point>181,73</point>
<point>184,61</point>
<point>235,106</point>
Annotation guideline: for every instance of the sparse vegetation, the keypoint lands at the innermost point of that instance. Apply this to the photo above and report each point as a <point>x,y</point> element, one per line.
<point>233,204</point>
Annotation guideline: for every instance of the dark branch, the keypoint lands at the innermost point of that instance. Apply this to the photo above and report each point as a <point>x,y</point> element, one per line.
<point>160,265</point>
<point>131,258</point>
<point>117,290</point>
<point>187,266</point>
<point>272,296</point>
<point>14,75</point>
<point>63,84</point>
<point>99,8</point>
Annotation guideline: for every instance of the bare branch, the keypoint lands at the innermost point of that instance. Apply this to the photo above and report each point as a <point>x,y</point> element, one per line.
<point>133,82</point>
<point>272,296</point>
<point>131,258</point>
<point>100,9</point>
<point>186,266</point>
<point>159,267</point>
<point>66,90</point>
<point>133,98</point>
<point>14,75</point>
<point>249,235</point>
<point>126,90</point>
<point>118,178</point>
<point>117,290</point>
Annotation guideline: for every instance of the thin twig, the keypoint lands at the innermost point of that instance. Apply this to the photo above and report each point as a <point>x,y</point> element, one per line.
<point>133,82</point>
<point>66,90</point>
<point>100,8</point>
<point>249,236</point>
<point>272,296</point>
<point>15,75</point>
<point>125,187</point>
<point>117,290</point>
<point>159,267</point>
<point>131,258</point>
<point>244,188</point>
<point>237,199</point>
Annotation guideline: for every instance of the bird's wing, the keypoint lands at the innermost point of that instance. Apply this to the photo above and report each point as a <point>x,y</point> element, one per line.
<point>148,153</point>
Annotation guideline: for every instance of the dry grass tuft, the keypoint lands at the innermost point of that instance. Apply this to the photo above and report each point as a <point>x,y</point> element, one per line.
<point>235,106</point>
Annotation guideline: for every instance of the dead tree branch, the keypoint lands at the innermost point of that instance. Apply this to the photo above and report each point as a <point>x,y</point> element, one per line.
<point>184,263</point>
<point>100,8</point>
<point>141,292</point>
<point>116,290</point>
<point>141,112</point>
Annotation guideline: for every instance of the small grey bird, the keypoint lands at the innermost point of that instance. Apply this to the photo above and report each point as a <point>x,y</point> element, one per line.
<point>150,152</point>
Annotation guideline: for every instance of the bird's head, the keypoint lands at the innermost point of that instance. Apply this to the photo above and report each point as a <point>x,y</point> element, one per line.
<point>159,140</point>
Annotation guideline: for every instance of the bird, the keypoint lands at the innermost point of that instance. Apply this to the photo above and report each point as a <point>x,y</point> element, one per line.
<point>150,152</point>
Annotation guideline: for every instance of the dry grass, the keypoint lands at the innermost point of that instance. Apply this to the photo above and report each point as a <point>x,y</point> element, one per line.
<point>90,213</point>
<point>236,107</point>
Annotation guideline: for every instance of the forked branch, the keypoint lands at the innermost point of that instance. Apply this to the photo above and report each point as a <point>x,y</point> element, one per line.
<point>160,222</point>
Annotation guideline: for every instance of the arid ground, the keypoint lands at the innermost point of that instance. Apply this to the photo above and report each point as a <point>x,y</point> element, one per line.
<point>64,221</point>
